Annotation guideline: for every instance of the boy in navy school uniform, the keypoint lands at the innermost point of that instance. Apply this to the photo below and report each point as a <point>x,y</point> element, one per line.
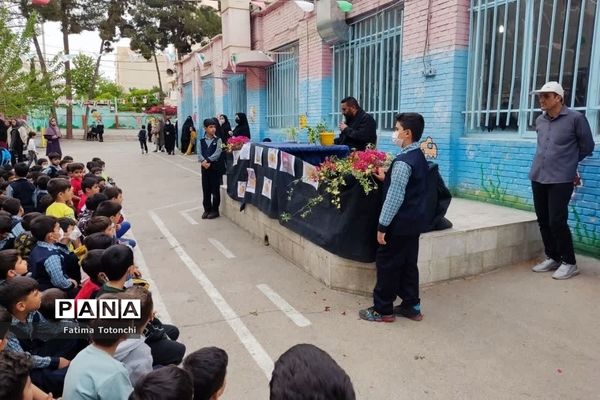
<point>401,222</point>
<point>209,157</point>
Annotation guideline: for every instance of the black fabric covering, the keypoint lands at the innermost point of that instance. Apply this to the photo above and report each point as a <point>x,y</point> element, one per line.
<point>348,232</point>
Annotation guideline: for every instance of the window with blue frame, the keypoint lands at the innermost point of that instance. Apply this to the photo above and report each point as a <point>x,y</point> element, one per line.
<point>518,45</point>
<point>283,106</point>
<point>206,100</point>
<point>236,95</point>
<point>368,67</point>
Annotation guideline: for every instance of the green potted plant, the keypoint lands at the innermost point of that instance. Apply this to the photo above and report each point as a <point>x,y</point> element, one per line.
<point>312,134</point>
<point>292,134</point>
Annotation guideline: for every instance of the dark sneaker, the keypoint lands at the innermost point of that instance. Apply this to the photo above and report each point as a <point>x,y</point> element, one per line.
<point>410,312</point>
<point>371,315</point>
<point>205,215</point>
<point>212,215</point>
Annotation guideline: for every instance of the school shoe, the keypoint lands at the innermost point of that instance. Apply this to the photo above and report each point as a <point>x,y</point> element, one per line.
<point>547,265</point>
<point>410,312</point>
<point>565,271</point>
<point>205,215</point>
<point>213,215</point>
<point>369,314</point>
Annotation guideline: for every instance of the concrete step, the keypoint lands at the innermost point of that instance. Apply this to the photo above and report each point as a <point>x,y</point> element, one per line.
<point>484,237</point>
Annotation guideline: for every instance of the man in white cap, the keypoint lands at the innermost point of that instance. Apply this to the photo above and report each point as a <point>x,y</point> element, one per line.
<point>564,138</point>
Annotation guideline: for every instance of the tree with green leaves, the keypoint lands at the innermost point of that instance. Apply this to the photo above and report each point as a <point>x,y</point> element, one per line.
<point>82,76</point>
<point>23,89</point>
<point>156,24</point>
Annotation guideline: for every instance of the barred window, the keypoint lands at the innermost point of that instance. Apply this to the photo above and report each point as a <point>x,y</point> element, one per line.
<point>515,47</point>
<point>368,67</point>
<point>283,106</point>
<point>236,95</point>
<point>206,100</point>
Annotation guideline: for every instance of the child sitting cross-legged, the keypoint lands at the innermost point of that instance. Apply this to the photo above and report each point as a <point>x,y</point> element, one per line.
<point>47,260</point>
<point>94,373</point>
<point>22,298</point>
<point>134,353</point>
<point>118,266</point>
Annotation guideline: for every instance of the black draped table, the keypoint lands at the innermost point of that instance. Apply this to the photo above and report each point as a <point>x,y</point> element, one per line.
<point>311,153</point>
<point>275,182</point>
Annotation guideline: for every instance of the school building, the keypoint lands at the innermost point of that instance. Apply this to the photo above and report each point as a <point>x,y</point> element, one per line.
<point>468,66</point>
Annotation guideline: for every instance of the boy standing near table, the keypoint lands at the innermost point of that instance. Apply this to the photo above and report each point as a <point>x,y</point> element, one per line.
<point>401,222</point>
<point>209,156</point>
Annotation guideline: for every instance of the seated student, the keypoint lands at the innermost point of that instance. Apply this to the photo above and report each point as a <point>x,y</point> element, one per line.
<point>75,172</point>
<point>112,210</point>
<point>7,241</point>
<point>41,190</point>
<point>62,193</point>
<point>166,383</point>
<point>54,166</point>
<point>98,241</point>
<point>21,189</point>
<point>118,266</point>
<point>94,373</point>
<point>13,207</point>
<point>47,259</point>
<point>92,266</point>
<point>67,159</point>
<point>71,242</point>
<point>15,383</point>
<point>90,206</point>
<point>42,162</point>
<point>22,298</point>
<point>63,164</point>
<point>48,302</point>
<point>11,265</point>
<point>208,367</point>
<point>305,370</point>
<point>25,242</point>
<point>134,353</point>
<point>89,187</point>
<point>100,225</point>
<point>115,193</point>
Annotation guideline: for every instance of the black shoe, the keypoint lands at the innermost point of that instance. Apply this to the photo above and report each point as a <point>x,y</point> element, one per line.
<point>155,151</point>
<point>213,215</point>
<point>410,312</point>
<point>205,215</point>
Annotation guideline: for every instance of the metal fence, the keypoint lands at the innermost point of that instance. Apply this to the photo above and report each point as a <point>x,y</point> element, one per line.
<point>282,89</point>
<point>518,45</point>
<point>368,67</point>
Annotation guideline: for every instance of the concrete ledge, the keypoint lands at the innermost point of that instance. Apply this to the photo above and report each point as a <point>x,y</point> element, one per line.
<point>484,237</point>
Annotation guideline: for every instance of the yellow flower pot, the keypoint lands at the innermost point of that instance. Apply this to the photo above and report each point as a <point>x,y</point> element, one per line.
<point>326,138</point>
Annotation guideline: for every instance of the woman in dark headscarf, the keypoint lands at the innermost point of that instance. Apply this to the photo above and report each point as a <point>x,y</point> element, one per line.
<point>224,122</point>
<point>242,128</point>
<point>185,134</point>
<point>170,137</point>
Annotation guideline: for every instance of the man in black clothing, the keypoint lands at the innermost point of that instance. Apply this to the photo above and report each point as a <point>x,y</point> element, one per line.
<point>359,128</point>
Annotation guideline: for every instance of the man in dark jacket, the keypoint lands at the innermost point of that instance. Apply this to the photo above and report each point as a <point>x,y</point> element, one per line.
<point>359,128</point>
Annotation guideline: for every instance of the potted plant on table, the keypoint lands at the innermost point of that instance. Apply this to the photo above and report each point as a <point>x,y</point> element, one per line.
<point>326,136</point>
<point>292,134</point>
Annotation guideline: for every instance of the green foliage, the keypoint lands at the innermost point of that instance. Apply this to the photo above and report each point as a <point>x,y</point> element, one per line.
<point>22,87</point>
<point>82,75</point>
<point>292,133</point>
<point>313,135</point>
<point>322,127</point>
<point>155,24</point>
<point>493,189</point>
<point>108,90</point>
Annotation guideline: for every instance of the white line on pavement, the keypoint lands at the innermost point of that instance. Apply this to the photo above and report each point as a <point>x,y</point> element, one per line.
<point>191,159</point>
<point>192,209</point>
<point>176,204</point>
<point>177,165</point>
<point>219,246</point>
<point>251,344</point>
<point>284,306</point>
<point>159,304</point>
<point>188,218</point>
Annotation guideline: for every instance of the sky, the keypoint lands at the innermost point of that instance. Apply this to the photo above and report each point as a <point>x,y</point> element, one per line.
<point>87,43</point>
